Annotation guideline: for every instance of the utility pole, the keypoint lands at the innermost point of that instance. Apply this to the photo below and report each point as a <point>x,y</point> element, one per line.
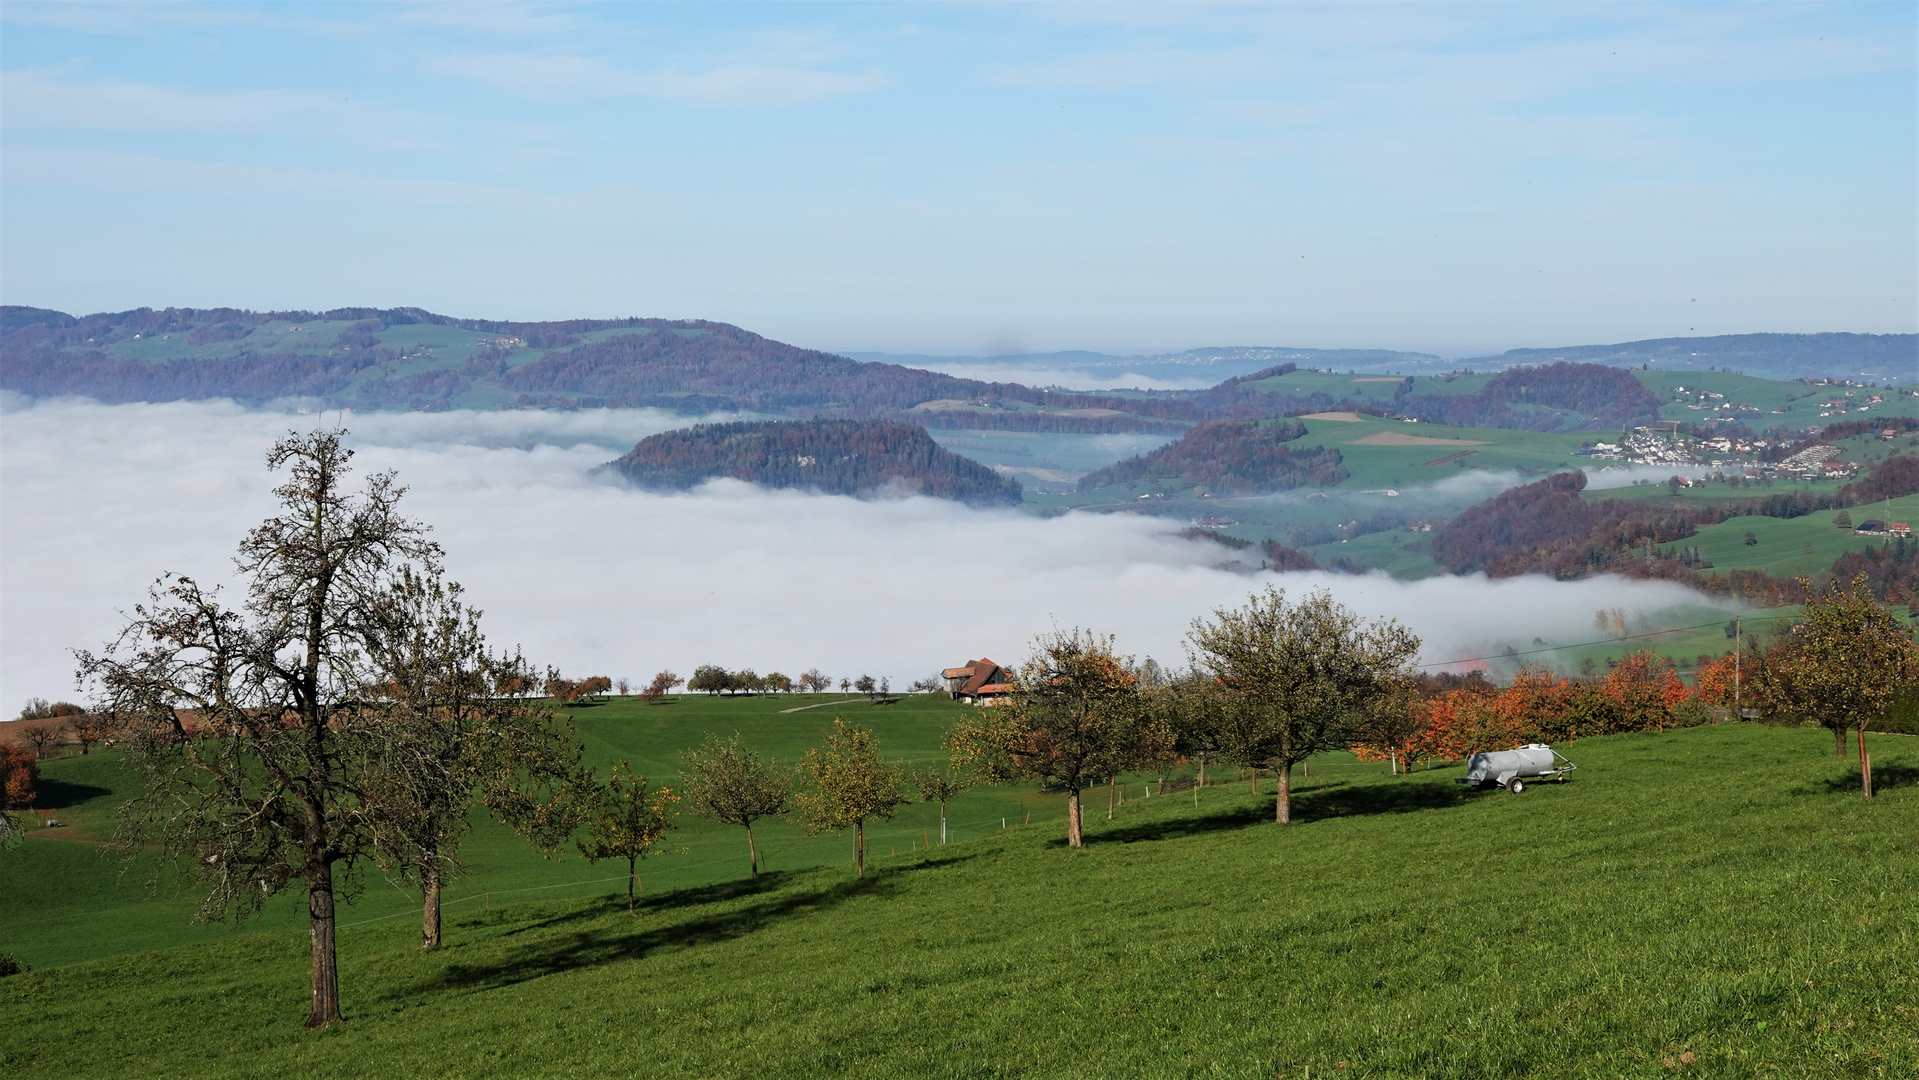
<point>1738,714</point>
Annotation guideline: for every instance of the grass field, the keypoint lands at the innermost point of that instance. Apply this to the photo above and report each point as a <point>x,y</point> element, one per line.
<point>1714,902</point>
<point>1788,547</point>
<point>105,911</point>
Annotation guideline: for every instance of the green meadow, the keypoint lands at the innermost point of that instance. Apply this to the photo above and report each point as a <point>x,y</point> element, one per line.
<point>1715,901</point>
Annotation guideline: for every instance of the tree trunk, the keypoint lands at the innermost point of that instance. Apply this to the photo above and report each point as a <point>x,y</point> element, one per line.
<point>1865,766</point>
<point>1255,779</point>
<point>1283,805</point>
<point>430,903</point>
<point>326,965</point>
<point>1839,735</point>
<point>632,872</point>
<point>752,854</point>
<point>1112,785</point>
<point>859,849</point>
<point>1072,819</point>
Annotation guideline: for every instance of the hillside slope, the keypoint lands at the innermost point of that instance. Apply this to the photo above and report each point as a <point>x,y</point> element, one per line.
<point>1712,902</point>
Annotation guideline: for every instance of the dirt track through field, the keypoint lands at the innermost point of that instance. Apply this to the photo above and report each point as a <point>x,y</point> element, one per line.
<point>1342,417</point>
<point>821,705</point>
<point>1397,438</point>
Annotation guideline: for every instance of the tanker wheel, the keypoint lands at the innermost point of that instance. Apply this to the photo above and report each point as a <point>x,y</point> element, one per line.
<point>1515,785</point>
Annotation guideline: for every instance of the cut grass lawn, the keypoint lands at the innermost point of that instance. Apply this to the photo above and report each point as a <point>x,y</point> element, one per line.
<point>1716,902</point>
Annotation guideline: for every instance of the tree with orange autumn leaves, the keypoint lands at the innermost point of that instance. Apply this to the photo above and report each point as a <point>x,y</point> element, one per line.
<point>1638,694</point>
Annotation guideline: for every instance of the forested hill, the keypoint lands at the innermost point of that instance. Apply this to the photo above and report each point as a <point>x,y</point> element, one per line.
<point>1228,456</point>
<point>839,457</point>
<point>405,358</point>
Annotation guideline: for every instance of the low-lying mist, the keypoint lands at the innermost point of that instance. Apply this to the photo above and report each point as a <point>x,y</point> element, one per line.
<point>597,578</point>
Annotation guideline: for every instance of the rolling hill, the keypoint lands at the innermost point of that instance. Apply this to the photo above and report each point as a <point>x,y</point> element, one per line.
<point>838,457</point>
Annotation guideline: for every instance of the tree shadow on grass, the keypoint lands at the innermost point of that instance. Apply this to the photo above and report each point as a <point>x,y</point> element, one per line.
<point>1339,798</point>
<point>1344,799</point>
<point>647,934</point>
<point>1168,828</point>
<point>61,795</point>
<point>1884,777</point>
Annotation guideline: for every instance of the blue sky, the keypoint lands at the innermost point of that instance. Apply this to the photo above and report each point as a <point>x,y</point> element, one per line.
<point>964,178</point>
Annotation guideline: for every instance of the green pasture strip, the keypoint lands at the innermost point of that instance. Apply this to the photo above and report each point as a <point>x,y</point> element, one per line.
<point>101,891</point>
<point>1403,554</point>
<point>1716,901</point>
<point>1788,547</point>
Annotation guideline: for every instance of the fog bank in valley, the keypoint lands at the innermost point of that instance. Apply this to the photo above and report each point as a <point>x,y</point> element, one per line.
<point>597,578</point>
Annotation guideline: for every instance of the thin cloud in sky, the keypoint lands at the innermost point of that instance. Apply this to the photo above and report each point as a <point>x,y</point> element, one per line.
<point>563,77</point>
<point>1450,178</point>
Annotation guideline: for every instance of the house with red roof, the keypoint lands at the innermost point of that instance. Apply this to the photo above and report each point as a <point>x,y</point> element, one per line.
<point>978,682</point>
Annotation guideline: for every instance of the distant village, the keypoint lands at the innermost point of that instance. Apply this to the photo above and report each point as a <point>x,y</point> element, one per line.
<point>1734,456</point>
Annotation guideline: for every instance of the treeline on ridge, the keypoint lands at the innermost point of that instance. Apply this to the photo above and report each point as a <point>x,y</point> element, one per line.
<point>839,457</point>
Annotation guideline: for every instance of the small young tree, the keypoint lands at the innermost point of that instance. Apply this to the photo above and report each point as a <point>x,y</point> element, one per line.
<point>726,782</point>
<point>1066,724</point>
<point>776,683</point>
<point>84,728</point>
<point>43,734</point>
<point>629,824</point>
<point>1389,723</point>
<point>455,740</point>
<point>662,685</point>
<point>865,685</point>
<point>622,686</point>
<point>846,685</point>
<point>847,784</point>
<point>1295,678</point>
<point>594,686</point>
<point>1844,667</point>
<point>815,682</point>
<point>942,787</point>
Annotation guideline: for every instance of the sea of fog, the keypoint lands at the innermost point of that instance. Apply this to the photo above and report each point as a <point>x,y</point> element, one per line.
<point>590,575</point>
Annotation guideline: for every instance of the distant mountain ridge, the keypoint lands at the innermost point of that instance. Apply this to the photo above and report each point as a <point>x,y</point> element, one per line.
<point>1865,357</point>
<point>408,358</point>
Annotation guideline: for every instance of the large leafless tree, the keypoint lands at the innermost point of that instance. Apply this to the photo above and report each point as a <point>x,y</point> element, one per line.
<point>251,728</point>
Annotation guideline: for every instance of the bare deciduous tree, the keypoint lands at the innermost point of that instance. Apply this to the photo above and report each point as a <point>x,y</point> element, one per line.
<point>269,791</point>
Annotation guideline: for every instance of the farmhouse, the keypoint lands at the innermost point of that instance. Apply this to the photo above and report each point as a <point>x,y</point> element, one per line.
<point>979,682</point>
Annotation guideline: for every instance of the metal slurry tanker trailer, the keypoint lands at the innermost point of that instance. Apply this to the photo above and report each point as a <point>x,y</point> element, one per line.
<point>1511,769</point>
